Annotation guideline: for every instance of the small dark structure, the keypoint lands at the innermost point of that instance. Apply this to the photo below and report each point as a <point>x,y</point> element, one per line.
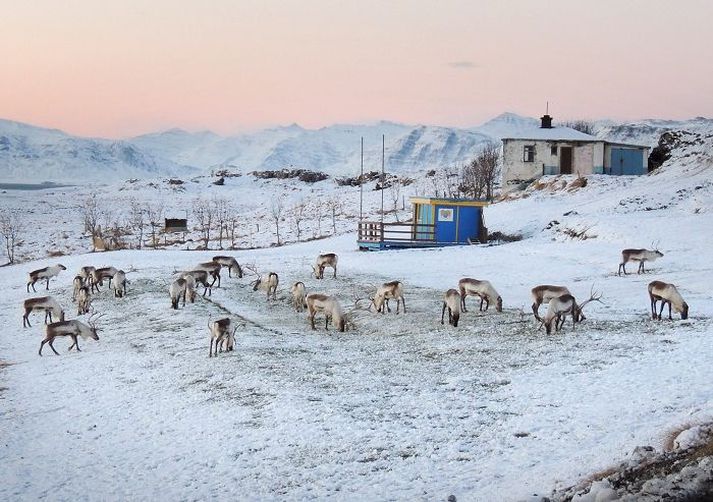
<point>436,222</point>
<point>176,225</point>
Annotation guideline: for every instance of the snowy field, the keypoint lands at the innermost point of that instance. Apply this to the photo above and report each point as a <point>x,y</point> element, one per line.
<point>398,408</point>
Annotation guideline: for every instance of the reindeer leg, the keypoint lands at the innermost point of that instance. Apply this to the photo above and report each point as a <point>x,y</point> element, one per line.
<point>462,301</point>
<point>653,306</point>
<point>74,342</point>
<point>443,313</point>
<point>535,309</point>
<point>48,284</point>
<point>663,304</point>
<point>210,350</point>
<point>335,272</point>
<point>481,304</point>
<point>52,346</point>
<point>669,311</point>
<point>311,319</point>
<point>403,303</point>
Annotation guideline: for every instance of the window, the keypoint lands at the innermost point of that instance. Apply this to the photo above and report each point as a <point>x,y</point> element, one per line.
<point>553,150</point>
<point>529,153</point>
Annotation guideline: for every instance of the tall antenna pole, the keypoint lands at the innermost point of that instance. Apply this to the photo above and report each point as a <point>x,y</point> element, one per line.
<point>383,177</point>
<point>361,183</point>
<point>547,108</point>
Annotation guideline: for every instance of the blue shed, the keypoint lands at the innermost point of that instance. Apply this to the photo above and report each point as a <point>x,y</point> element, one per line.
<point>436,222</point>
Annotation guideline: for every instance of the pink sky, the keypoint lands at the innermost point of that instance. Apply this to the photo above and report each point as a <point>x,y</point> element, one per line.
<point>126,67</point>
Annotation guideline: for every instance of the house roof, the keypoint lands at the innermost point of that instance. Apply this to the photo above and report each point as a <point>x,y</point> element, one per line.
<point>553,134</point>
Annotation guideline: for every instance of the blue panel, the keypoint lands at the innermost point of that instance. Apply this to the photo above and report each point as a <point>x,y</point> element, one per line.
<point>468,223</point>
<point>627,161</point>
<point>445,229</point>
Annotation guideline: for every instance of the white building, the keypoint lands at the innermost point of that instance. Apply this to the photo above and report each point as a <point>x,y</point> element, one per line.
<point>562,150</point>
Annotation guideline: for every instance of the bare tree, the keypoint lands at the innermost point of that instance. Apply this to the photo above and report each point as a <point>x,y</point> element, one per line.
<point>203,212</point>
<point>316,208</point>
<point>276,209</point>
<point>11,226</point>
<point>137,221</point>
<point>395,195</point>
<point>154,215</point>
<point>92,215</point>
<point>222,210</point>
<point>298,216</point>
<point>585,126</point>
<point>478,176</point>
<point>334,205</point>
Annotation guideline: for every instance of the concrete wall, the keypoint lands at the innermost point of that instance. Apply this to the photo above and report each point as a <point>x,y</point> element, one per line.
<point>587,158</point>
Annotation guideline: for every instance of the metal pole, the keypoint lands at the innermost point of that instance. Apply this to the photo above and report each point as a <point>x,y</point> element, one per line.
<point>383,178</point>
<point>361,183</point>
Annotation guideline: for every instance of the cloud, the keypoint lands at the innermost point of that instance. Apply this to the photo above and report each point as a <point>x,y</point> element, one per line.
<point>463,65</point>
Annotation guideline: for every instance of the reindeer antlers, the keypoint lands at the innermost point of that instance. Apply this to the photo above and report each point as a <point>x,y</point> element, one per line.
<point>593,297</point>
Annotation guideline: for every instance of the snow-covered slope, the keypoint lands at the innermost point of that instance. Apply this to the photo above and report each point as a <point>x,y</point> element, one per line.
<point>34,154</point>
<point>647,132</point>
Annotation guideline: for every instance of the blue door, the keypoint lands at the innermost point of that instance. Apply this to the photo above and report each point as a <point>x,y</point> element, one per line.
<point>627,161</point>
<point>446,218</point>
<point>468,223</point>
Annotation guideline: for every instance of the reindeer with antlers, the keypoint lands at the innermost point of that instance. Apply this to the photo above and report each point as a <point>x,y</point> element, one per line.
<point>561,306</point>
<point>640,255</point>
<point>269,285</point>
<point>73,329</point>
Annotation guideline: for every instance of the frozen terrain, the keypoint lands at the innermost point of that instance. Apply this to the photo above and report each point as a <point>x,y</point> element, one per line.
<point>399,407</point>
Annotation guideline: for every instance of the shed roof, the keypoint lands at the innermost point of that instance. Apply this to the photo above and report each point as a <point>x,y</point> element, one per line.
<point>447,201</point>
<point>553,134</point>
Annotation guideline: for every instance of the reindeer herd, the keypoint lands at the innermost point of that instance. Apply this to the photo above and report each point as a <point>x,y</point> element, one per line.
<point>560,301</point>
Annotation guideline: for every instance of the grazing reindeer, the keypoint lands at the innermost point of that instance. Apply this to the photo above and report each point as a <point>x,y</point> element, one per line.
<point>44,273</point>
<point>452,302</point>
<point>119,284</point>
<point>483,290</point>
<point>222,333</point>
<point>543,294</point>
<point>77,284</point>
<point>213,269</point>
<point>84,300</point>
<point>231,264</point>
<point>640,255</point>
<point>47,304</point>
<point>269,284</point>
<point>178,291</point>
<point>317,302</point>
<point>73,329</point>
<point>323,261</point>
<point>667,293</point>
<point>197,277</point>
<point>564,305</point>
<point>86,273</point>
<point>99,274</point>
<point>389,291</point>
<point>298,293</point>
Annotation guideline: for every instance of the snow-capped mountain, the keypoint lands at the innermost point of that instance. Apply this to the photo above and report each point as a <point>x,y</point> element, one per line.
<point>35,154</point>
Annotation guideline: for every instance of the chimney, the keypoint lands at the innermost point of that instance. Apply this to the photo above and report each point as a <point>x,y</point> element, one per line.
<point>546,121</point>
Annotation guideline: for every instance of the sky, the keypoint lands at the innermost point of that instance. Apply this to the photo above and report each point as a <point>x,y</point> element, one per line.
<point>126,67</point>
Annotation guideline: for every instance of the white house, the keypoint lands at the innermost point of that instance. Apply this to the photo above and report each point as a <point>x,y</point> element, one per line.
<point>563,150</point>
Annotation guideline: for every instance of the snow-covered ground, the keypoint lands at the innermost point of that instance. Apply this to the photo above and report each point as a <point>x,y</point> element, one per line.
<point>399,407</point>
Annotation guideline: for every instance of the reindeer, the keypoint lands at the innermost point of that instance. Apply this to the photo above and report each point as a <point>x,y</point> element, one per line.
<point>389,291</point>
<point>269,285</point>
<point>323,261</point>
<point>298,293</point>
<point>317,302</point>
<point>77,284</point>
<point>667,293</point>
<point>231,264</point>
<point>73,328</point>
<point>543,294</point>
<point>44,303</point>
<point>213,269</point>
<point>222,333</point>
<point>197,277</point>
<point>99,274</point>
<point>178,290</point>
<point>640,255</point>
<point>483,290</point>
<point>86,274</point>
<point>559,307</point>
<point>119,284</point>
<point>452,302</point>
<point>84,300</point>
<point>44,273</point>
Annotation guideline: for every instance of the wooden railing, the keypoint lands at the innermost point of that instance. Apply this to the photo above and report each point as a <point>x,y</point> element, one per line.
<point>376,231</point>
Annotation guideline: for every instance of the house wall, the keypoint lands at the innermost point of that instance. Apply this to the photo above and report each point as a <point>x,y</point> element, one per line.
<point>587,158</point>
